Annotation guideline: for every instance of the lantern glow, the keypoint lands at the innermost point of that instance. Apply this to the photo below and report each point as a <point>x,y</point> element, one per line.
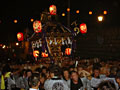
<point>15,21</point>
<point>63,14</point>
<point>20,36</point>
<point>90,12</point>
<point>77,11</point>
<point>53,10</point>
<point>83,28</point>
<point>68,9</point>
<point>100,18</point>
<point>68,51</point>
<point>105,12</point>
<point>31,19</point>
<point>36,53</point>
<point>44,54</point>
<point>37,26</point>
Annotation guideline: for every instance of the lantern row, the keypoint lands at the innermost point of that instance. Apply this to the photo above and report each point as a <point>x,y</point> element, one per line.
<point>37,27</point>
<point>36,53</point>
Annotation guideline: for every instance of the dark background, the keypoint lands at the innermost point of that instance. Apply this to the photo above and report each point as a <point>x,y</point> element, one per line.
<point>101,40</point>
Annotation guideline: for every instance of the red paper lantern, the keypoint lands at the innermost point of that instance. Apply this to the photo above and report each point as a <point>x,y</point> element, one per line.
<point>68,51</point>
<point>83,28</point>
<point>53,10</point>
<point>36,53</point>
<point>37,26</point>
<point>44,54</point>
<point>20,36</point>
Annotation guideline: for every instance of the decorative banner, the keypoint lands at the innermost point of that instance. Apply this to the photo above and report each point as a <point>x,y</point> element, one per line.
<point>20,36</point>
<point>53,10</point>
<point>76,30</point>
<point>68,51</point>
<point>44,54</point>
<point>36,53</point>
<point>36,44</point>
<point>83,28</point>
<point>37,26</point>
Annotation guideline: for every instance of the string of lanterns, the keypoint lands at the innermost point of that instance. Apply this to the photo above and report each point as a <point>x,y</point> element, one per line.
<point>37,27</point>
<point>53,11</point>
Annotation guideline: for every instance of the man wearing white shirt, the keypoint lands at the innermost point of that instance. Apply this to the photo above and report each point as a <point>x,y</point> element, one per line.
<point>34,81</point>
<point>55,83</point>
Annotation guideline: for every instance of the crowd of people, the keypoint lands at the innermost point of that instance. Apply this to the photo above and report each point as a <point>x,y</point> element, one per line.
<point>70,75</point>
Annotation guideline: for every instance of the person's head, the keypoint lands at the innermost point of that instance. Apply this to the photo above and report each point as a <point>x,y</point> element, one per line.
<point>118,78</point>
<point>74,76</point>
<point>71,68</point>
<point>65,73</point>
<point>42,78</point>
<point>113,71</point>
<point>80,68</point>
<point>96,72</point>
<point>55,71</point>
<point>29,73</point>
<point>34,81</point>
<point>107,85</point>
<point>23,73</point>
<point>44,70</point>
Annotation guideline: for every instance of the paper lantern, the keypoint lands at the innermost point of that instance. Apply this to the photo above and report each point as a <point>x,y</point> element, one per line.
<point>83,28</point>
<point>53,10</point>
<point>36,53</point>
<point>44,54</point>
<point>20,36</point>
<point>68,51</point>
<point>37,26</point>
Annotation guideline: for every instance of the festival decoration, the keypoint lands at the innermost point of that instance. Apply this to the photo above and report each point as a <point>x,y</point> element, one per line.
<point>36,53</point>
<point>20,36</point>
<point>44,54</point>
<point>37,26</point>
<point>68,51</point>
<point>53,10</point>
<point>83,28</point>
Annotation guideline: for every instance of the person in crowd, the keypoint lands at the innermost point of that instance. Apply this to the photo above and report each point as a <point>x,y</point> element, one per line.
<point>42,81</point>
<point>34,81</point>
<point>6,81</point>
<point>55,83</point>
<point>75,83</point>
<point>82,72</point>
<point>95,78</point>
<point>65,74</point>
<point>21,81</point>
<point>28,75</point>
<point>44,70</point>
<point>118,80</point>
<point>113,72</point>
<point>96,73</point>
<point>106,85</point>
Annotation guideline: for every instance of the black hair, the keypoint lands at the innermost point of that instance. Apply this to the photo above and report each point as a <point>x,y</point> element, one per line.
<point>107,85</point>
<point>56,70</point>
<point>28,70</point>
<point>73,72</point>
<point>22,72</point>
<point>34,79</point>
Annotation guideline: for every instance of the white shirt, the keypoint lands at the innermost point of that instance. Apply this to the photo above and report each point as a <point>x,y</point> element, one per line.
<point>33,89</point>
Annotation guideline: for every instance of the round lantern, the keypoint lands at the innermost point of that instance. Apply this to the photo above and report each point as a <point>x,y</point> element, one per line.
<point>20,36</point>
<point>37,26</point>
<point>68,51</point>
<point>36,53</point>
<point>83,28</point>
<point>53,10</point>
<point>44,54</point>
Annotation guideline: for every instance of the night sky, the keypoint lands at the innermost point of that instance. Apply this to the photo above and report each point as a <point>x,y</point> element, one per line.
<point>24,10</point>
